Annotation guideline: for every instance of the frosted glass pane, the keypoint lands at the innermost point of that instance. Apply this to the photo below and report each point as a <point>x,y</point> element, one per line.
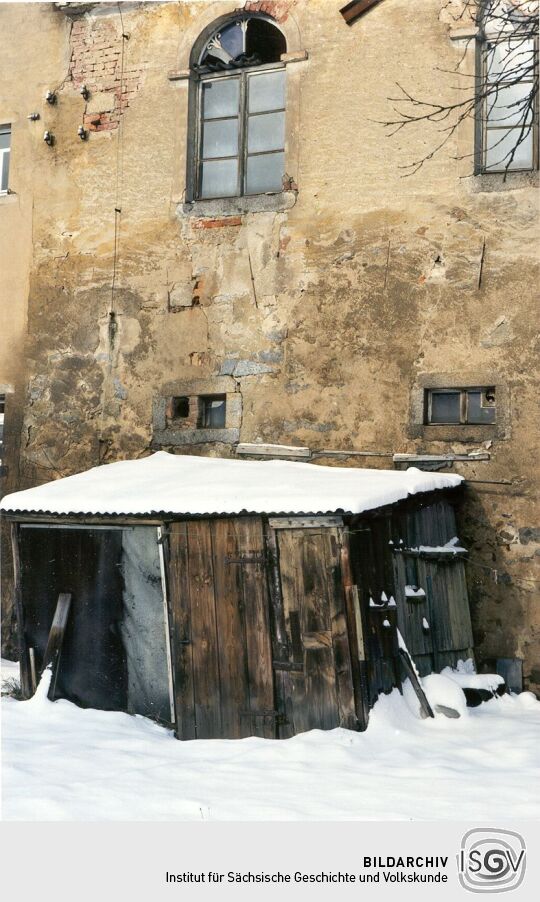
<point>219,178</point>
<point>221,97</point>
<point>499,146</point>
<point>445,407</point>
<point>265,173</point>
<point>266,132</point>
<point>475,412</point>
<point>510,105</point>
<point>511,59</point>
<point>4,175</point>
<point>220,139</point>
<point>266,92</point>
<point>5,138</point>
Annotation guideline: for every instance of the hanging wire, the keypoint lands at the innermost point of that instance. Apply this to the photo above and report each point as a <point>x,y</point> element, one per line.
<point>119,179</point>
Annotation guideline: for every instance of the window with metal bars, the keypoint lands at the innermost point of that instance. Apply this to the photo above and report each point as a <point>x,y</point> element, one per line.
<point>239,146</point>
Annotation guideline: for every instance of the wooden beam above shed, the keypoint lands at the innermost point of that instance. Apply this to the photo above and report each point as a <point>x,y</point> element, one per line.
<point>352,11</point>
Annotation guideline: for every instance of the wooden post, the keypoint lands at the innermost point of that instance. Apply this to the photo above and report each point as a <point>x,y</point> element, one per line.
<point>355,633</point>
<point>24,658</point>
<point>55,640</point>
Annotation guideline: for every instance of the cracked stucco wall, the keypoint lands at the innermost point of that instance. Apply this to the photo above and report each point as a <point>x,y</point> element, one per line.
<point>324,309</point>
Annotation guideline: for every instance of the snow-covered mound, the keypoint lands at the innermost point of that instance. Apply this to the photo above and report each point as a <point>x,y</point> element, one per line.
<point>64,763</point>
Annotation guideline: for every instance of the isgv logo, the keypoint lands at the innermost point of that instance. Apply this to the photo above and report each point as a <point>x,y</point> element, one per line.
<point>491,861</point>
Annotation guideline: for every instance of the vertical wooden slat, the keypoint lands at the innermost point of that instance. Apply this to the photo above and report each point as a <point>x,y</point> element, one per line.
<point>292,588</point>
<point>230,629</point>
<point>257,630</point>
<point>340,636</point>
<point>280,643</point>
<point>206,676</point>
<point>321,705</point>
<point>24,659</point>
<point>182,648</point>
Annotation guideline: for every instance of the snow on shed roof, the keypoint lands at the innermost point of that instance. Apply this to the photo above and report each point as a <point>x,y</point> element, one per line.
<point>181,485</point>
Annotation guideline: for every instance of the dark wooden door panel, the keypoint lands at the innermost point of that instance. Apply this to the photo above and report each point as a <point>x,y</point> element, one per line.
<point>257,631</point>
<point>222,650</point>
<point>320,695</point>
<point>182,648</point>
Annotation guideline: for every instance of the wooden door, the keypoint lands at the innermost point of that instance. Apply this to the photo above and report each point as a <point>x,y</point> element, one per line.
<point>221,637</point>
<point>315,681</point>
<point>450,618</point>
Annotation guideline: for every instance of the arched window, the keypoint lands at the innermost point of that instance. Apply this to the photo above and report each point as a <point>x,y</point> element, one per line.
<point>238,141</point>
<point>507,79</point>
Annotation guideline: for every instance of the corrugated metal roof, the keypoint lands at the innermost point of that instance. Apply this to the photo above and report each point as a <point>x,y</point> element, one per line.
<point>180,485</point>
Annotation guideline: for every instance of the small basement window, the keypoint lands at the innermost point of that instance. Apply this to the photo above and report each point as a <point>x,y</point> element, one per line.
<point>212,411</point>
<point>465,406</point>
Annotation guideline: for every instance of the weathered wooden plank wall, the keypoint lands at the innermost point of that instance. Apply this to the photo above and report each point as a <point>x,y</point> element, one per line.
<point>381,563</point>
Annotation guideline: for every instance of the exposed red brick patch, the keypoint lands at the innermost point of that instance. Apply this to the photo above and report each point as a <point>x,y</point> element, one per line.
<point>217,223</point>
<point>96,61</point>
<point>277,9</point>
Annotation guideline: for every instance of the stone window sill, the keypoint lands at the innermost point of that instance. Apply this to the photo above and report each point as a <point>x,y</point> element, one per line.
<point>485,182</point>
<point>464,434</point>
<point>236,206</point>
<point>178,437</point>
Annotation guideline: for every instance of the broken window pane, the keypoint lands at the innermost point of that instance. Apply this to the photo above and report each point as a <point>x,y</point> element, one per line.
<point>265,173</point>
<point>245,41</point>
<point>264,40</point>
<point>231,38</point>
<point>445,407</point>
<point>242,111</point>
<point>179,408</point>
<point>479,408</point>
<point>212,412</point>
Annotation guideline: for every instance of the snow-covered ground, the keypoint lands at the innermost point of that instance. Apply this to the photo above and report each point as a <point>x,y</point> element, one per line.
<point>62,763</point>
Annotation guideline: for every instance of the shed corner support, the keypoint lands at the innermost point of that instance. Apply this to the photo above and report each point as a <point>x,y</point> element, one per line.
<point>24,657</point>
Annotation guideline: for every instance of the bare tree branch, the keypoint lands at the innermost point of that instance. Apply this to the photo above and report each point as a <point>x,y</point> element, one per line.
<point>501,94</point>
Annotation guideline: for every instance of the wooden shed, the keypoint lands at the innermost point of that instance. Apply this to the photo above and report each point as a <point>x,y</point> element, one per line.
<point>233,598</point>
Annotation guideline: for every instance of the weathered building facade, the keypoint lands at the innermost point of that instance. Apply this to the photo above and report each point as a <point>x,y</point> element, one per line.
<point>324,312</point>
